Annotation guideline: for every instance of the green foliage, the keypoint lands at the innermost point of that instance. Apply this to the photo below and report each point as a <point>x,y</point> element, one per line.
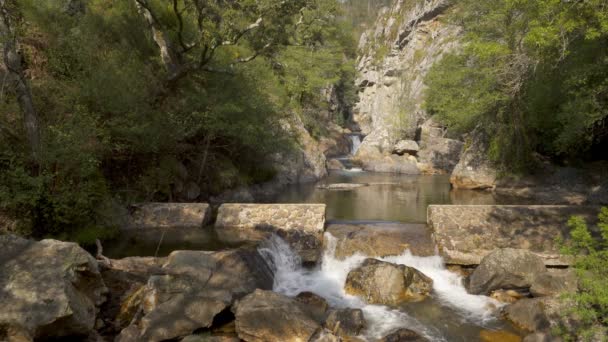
<point>590,303</point>
<point>532,73</point>
<point>116,125</point>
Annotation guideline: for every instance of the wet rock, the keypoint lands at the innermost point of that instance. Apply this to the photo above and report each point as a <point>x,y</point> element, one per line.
<point>169,215</point>
<point>506,268</point>
<point>380,240</point>
<point>324,335</point>
<point>379,282</point>
<point>553,283</point>
<point>403,335</point>
<point>196,288</point>
<point>301,225</point>
<point>474,170</point>
<point>345,322</point>
<point>14,333</point>
<point>498,336</point>
<point>269,316</point>
<point>406,147</point>
<point>48,288</point>
<point>506,296</point>
<point>315,305</point>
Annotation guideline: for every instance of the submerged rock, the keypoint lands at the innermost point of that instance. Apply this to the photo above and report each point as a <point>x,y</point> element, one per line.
<point>506,268</point>
<point>403,335</point>
<point>346,322</point>
<point>342,186</point>
<point>379,282</point>
<point>268,316</point>
<point>48,288</point>
<point>498,336</point>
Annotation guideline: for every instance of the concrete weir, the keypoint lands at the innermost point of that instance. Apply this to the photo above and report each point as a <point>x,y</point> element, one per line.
<point>465,234</point>
<point>169,215</point>
<point>301,225</point>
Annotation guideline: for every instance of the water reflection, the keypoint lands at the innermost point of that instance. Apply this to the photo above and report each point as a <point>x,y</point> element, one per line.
<point>388,197</point>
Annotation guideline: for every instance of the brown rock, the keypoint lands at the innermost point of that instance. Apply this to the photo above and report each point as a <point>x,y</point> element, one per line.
<point>403,335</point>
<point>380,282</point>
<point>552,284</point>
<point>314,304</point>
<point>498,336</point>
<point>346,322</point>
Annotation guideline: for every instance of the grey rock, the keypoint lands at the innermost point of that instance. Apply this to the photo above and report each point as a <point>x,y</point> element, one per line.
<point>440,154</point>
<point>48,288</point>
<point>506,268</point>
<point>268,316</point>
<point>528,314</point>
<point>553,284</point>
<point>379,282</point>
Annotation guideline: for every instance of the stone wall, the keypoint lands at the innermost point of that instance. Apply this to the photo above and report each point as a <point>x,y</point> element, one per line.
<point>301,225</point>
<point>464,234</point>
<point>169,215</point>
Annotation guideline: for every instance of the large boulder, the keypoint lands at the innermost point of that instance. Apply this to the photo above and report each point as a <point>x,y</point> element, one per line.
<point>372,159</point>
<point>475,171</point>
<point>268,316</point>
<point>380,282</point>
<point>196,288</point>
<point>49,289</point>
<point>554,283</point>
<point>406,147</point>
<point>440,155</point>
<point>315,305</point>
<point>300,225</point>
<point>506,268</point>
<point>380,240</point>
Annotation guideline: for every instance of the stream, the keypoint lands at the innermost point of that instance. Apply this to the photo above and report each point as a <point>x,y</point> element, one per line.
<point>380,201</point>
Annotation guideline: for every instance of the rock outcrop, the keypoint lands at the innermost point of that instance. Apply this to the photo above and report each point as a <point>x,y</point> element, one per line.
<point>465,234</point>
<point>48,289</point>
<point>300,225</point>
<point>379,282</point>
<point>408,38</point>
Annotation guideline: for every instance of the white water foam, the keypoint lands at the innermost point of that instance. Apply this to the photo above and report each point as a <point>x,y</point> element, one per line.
<point>328,281</point>
<point>355,141</point>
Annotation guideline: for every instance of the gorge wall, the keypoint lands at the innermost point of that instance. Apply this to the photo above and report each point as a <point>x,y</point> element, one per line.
<point>408,38</point>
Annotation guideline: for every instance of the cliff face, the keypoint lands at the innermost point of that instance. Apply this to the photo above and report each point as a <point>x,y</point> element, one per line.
<point>408,38</point>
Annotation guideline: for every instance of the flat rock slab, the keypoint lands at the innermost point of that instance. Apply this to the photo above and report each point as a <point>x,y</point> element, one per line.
<point>258,219</point>
<point>380,239</point>
<point>169,215</point>
<point>465,234</point>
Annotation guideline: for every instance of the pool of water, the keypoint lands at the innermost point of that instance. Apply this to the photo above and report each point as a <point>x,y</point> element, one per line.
<point>384,197</point>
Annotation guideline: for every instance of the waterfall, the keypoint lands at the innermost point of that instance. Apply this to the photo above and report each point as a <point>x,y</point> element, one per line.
<point>328,279</point>
<point>355,141</point>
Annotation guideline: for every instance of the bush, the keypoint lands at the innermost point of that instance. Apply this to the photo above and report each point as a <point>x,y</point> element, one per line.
<point>590,303</point>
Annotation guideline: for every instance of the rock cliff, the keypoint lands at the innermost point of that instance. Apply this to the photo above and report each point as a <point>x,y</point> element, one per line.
<point>408,38</point>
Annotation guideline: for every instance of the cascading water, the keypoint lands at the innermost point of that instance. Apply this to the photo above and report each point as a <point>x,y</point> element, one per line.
<point>329,278</point>
<point>355,141</point>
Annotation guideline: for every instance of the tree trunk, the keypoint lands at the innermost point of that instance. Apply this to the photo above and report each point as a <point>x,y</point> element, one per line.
<point>14,65</point>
